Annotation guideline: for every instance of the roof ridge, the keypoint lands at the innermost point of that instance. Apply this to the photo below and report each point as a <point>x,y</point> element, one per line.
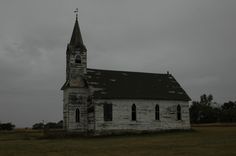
<point>127,71</point>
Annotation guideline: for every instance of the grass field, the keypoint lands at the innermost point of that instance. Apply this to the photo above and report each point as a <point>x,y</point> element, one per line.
<point>203,141</point>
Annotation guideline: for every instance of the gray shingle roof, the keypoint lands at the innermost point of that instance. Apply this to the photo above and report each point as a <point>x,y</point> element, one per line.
<point>108,84</point>
<point>76,38</point>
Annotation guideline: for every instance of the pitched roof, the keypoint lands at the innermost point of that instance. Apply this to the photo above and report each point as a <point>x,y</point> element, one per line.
<point>76,37</point>
<point>108,84</point>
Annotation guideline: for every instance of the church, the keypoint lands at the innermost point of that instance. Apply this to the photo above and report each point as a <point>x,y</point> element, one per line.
<point>100,102</point>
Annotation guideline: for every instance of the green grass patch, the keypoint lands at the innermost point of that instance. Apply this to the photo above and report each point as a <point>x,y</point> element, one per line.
<point>207,141</point>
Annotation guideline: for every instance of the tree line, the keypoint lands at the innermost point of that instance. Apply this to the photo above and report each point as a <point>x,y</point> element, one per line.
<point>49,125</point>
<point>205,111</point>
<point>38,126</point>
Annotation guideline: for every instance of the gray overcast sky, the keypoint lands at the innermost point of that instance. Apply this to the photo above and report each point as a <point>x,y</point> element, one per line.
<point>194,39</point>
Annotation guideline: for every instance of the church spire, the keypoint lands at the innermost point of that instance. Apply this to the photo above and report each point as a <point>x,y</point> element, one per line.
<point>76,39</point>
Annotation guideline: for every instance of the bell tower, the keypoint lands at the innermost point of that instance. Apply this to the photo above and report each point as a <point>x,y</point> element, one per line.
<point>75,89</point>
<point>76,56</point>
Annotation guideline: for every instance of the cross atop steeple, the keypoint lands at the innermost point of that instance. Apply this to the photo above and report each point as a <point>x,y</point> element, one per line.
<point>76,13</point>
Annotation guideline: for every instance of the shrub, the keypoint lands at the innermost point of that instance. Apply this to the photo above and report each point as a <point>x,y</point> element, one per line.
<point>7,126</point>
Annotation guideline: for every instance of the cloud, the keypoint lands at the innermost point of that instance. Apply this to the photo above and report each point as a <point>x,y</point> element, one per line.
<point>202,81</point>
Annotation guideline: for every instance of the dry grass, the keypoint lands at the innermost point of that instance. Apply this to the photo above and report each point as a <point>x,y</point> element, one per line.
<point>207,141</point>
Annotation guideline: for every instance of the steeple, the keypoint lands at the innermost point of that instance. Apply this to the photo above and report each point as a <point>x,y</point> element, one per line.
<point>76,38</point>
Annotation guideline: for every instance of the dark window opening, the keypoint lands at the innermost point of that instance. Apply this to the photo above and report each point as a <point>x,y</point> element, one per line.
<point>133,112</point>
<point>77,115</point>
<point>178,112</point>
<point>157,112</point>
<point>107,110</point>
<point>78,59</point>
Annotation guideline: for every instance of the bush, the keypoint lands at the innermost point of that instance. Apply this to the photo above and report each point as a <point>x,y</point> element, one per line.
<point>49,125</point>
<point>53,125</point>
<point>7,126</point>
<point>38,126</point>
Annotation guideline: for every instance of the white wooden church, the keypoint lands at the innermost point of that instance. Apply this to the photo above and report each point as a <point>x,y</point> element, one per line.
<point>98,101</point>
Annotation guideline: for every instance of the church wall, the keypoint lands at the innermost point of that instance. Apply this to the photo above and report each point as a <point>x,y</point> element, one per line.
<point>145,110</point>
<point>91,116</point>
<point>70,105</point>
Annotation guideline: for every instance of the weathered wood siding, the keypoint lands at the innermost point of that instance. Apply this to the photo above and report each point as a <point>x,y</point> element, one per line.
<point>69,108</point>
<point>145,116</point>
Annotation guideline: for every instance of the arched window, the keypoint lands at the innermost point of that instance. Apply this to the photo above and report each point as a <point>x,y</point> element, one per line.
<point>133,112</point>
<point>78,59</point>
<point>107,112</point>
<point>178,112</point>
<point>77,115</point>
<point>157,112</point>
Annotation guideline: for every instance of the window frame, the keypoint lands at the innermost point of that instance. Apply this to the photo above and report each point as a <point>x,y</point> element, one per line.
<point>107,112</point>
<point>133,112</point>
<point>77,115</point>
<point>157,112</point>
<point>80,59</point>
<point>179,114</point>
